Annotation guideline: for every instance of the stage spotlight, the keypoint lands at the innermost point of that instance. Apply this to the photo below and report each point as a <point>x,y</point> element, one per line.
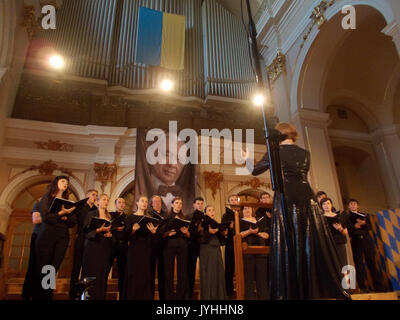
<point>56,62</point>
<point>259,100</point>
<point>167,85</point>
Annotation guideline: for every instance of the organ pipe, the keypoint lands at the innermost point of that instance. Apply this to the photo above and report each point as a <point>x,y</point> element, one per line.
<point>98,39</point>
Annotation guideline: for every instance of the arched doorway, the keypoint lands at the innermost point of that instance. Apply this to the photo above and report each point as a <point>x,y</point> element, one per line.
<point>355,166</point>
<point>348,75</point>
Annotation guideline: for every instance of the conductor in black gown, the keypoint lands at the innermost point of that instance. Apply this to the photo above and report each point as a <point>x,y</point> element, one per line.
<point>316,270</point>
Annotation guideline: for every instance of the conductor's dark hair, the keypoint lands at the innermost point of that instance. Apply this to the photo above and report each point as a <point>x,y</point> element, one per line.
<point>52,188</point>
<point>326,200</point>
<point>320,193</point>
<point>198,199</point>
<point>263,194</point>
<point>353,200</point>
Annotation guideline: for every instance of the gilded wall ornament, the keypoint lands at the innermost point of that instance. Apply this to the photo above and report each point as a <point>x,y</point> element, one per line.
<point>55,146</point>
<point>29,21</point>
<point>47,168</point>
<point>277,67</point>
<point>255,183</point>
<point>318,17</point>
<point>104,173</point>
<point>213,181</point>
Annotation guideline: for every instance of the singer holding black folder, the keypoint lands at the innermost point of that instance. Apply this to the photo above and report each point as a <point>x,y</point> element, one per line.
<point>97,252</point>
<point>212,274</point>
<point>359,226</point>
<point>52,240</point>
<point>176,245</point>
<point>255,266</point>
<point>79,246</point>
<point>119,246</point>
<point>141,231</point>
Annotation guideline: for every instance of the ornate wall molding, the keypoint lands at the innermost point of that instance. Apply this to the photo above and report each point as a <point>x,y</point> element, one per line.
<point>30,21</point>
<point>318,17</point>
<point>47,168</point>
<point>105,173</point>
<point>255,183</point>
<point>213,181</point>
<point>55,146</point>
<point>277,67</point>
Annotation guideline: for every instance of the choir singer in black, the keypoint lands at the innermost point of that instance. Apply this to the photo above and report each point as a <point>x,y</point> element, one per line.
<point>97,252</point>
<point>141,235</point>
<point>53,238</point>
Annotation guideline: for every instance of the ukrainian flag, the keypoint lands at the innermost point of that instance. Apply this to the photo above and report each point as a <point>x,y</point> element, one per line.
<point>161,39</point>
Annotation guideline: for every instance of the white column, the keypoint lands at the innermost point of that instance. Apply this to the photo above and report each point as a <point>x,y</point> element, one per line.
<point>313,131</point>
<point>281,98</point>
<point>387,147</point>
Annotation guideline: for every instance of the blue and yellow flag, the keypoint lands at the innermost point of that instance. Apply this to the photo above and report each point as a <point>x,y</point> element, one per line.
<point>161,39</point>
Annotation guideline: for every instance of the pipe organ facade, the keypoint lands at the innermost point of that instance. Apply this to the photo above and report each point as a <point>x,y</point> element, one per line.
<point>217,57</point>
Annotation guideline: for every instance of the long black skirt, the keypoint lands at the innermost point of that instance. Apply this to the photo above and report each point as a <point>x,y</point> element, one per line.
<point>304,260</point>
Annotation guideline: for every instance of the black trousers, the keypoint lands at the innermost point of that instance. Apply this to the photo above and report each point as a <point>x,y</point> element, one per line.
<point>256,272</point>
<point>157,262</point>
<point>119,251</point>
<point>193,254</point>
<point>182,289</point>
<point>342,255</point>
<point>50,247</point>
<point>27,289</point>
<point>77,265</point>
<point>364,250</point>
<point>229,268</point>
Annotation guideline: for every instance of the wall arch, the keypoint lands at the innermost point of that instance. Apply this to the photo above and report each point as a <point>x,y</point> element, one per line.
<point>301,67</point>
<point>122,185</point>
<point>25,180</point>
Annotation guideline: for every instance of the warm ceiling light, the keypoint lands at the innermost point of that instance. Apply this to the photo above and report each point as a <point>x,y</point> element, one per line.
<point>259,99</point>
<point>167,85</point>
<point>56,62</point>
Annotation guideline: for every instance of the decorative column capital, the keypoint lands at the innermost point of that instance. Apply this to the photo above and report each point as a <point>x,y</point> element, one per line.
<point>312,117</point>
<point>393,30</point>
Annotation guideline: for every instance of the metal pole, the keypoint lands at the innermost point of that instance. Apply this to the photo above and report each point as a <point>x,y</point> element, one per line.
<point>272,140</point>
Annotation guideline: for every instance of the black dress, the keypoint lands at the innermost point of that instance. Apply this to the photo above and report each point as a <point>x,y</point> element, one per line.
<point>212,275</point>
<point>138,275</point>
<point>96,257</point>
<point>229,217</point>
<point>311,270</point>
<point>255,266</point>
